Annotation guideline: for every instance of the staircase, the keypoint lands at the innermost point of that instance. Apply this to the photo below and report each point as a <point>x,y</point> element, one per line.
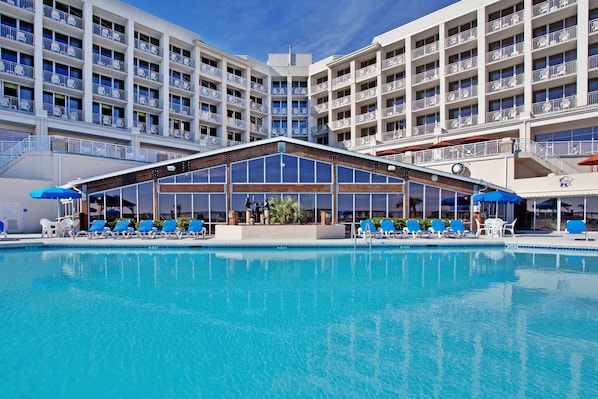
<point>12,150</point>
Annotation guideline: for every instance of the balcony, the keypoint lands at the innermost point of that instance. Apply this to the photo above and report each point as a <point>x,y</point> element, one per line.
<point>505,22</point>
<point>149,128</point>
<point>394,61</point>
<point>427,128</point>
<point>341,123</point>
<point>239,80</point>
<point>341,80</point>
<point>554,38</point>
<point>365,141</point>
<point>369,70</point>
<point>464,121</point>
<point>393,86</point>
<point>367,117</point>
<point>299,131</point>
<point>258,87</point>
<point>64,17</point>
<point>210,70</point>
<point>432,74</point>
<point>550,6</point>
<point>505,53</point>
<point>279,111</point>
<point>393,135</point>
<point>554,71</point>
<point>279,131</point>
<point>559,104</point>
<point>279,91</point>
<point>342,101</point>
<point>299,111</point>
<point>208,116</point>
<point>511,82</point>
<point>180,59</point>
<point>111,63</point>
<point>366,94</point>
<point>180,134</point>
<point>13,68</point>
<point>109,34</point>
<point>148,48</point>
<point>57,111</point>
<point>593,28</point>
<point>11,33</point>
<point>320,108</point>
<point>181,83</point>
<point>211,93</point>
<point>16,104</point>
<point>425,50</point>
<point>63,48</point>
<point>319,87</point>
<point>180,109</point>
<point>255,128</point>
<point>238,101</point>
<point>28,5</point>
<point>397,109</point>
<point>506,114</point>
<point>426,102</point>
<point>461,94</point>
<point>147,73</point>
<point>62,80</point>
<point>257,107</point>
<point>299,91</point>
<point>110,92</point>
<point>148,101</point>
<point>460,66</point>
<point>109,121</point>
<point>320,129</point>
<point>462,37</point>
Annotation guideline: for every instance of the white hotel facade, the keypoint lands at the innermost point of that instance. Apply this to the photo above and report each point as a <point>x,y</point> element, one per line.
<point>505,91</point>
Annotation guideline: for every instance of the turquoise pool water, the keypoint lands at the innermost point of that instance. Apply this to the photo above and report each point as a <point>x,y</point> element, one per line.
<point>298,324</point>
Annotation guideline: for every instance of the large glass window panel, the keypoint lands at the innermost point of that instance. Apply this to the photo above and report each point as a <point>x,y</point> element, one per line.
<point>273,168</point>
<point>256,170</point>
<point>200,176</point>
<point>432,202</point>
<point>361,176</point>
<point>166,206</point>
<point>218,174</point>
<point>239,172</point>
<point>145,206</point>
<point>238,204</point>
<point>362,206</point>
<point>379,205</point>
<point>416,200</point>
<point>378,178</point>
<point>306,170</point>
<point>323,172</point>
<point>290,169</point>
<point>183,178</point>
<point>183,206</point>
<point>345,208</point>
<point>218,206</point>
<point>129,202</point>
<point>395,205</point>
<point>201,207</point>
<point>571,208</point>
<point>308,206</point>
<point>324,203</point>
<point>344,175</point>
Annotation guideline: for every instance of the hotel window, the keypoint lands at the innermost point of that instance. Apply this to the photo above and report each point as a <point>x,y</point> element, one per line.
<point>301,106</point>
<point>391,102</point>
<point>180,51</point>
<point>280,124</point>
<point>209,61</point>
<point>208,131</point>
<point>257,80</point>
<point>343,93</point>
<point>62,38</point>
<point>430,120</point>
<point>208,108</point>
<point>394,53</point>
<point>506,42</point>
<point>430,66</point>
<point>368,131</point>
<point>396,126</point>
<point>144,94</point>
<point>395,77</point>
<point>322,79</point>
<point>555,93</point>
<point>299,84</point>
<point>179,104</point>
<point>16,57</point>
<point>555,26</point>
<point>371,61</point>
<point>144,121</point>
<point>108,24</point>
<point>64,7</point>
<point>279,106</point>
<point>234,71</point>
<point>464,55</point>
<point>178,126</point>
<point>279,84</point>
<point>147,67</point>
<point>343,136</point>
<point>369,85</point>
<point>505,103</point>
<point>507,11</point>
<point>427,40</point>
<point>142,37</point>
<point>462,28</point>
<point>234,92</point>
<point>108,81</point>
<point>107,114</point>
<point>234,136</point>
<point>555,59</point>
<point>322,100</point>
<point>208,83</point>
<point>62,69</point>
<point>17,24</point>
<point>234,114</point>
<point>427,93</point>
<point>463,112</point>
<point>364,109</point>
<point>463,84</point>
<point>505,72</point>
<point>256,100</point>
<point>108,53</point>
<point>322,120</point>
<point>343,114</point>
<point>343,72</point>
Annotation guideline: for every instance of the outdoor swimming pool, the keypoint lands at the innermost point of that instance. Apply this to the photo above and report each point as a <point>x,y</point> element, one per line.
<point>268,323</point>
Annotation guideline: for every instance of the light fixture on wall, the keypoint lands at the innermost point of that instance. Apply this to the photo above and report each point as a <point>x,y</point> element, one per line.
<point>171,168</point>
<point>434,177</point>
<point>391,168</point>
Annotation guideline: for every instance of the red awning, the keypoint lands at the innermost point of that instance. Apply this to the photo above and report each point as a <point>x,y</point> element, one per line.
<point>444,143</point>
<point>473,139</point>
<point>413,148</point>
<point>593,160</point>
<point>387,152</point>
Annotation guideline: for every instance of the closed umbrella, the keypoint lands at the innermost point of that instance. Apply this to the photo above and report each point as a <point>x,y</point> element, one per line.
<point>498,197</point>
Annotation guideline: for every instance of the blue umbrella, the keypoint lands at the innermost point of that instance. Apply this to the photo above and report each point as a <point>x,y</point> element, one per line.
<point>55,193</point>
<point>498,197</point>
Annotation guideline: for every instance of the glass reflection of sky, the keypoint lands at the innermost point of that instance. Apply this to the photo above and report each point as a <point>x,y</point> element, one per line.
<point>299,323</point>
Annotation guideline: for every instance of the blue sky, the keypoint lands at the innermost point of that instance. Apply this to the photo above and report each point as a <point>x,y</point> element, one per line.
<point>319,27</point>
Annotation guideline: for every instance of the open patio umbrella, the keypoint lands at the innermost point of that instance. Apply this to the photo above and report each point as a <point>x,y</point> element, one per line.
<point>591,161</point>
<point>55,193</point>
<point>497,197</point>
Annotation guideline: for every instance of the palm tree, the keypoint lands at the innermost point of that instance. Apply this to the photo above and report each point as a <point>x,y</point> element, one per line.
<point>286,211</point>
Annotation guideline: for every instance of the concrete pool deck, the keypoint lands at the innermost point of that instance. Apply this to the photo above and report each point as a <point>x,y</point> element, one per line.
<point>555,240</point>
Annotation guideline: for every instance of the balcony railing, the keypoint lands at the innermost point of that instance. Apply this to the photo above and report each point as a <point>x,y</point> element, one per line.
<point>63,48</point>
<point>461,37</point>
<point>240,80</point>
<point>397,109</point>
<point>319,108</point>
<point>109,33</point>
<point>257,106</point>
<point>63,80</point>
<point>366,71</point>
<point>464,121</point>
<point>339,102</point>
<point>427,128</point>
<point>463,65</point>
<point>180,134</point>
<point>28,5</point>
<point>425,76</point>
<point>108,62</point>
<point>16,69</point>
<point>426,102</point>
<point>554,71</point>
<point>366,94</point>
<point>279,131</point>
<point>279,111</point>
<point>279,91</point>
<point>341,123</point>
<point>210,70</point>
<point>504,114</point>
<point>147,73</point>
<point>394,85</point>
<point>255,128</point>
<point>505,53</point>
<point>299,111</point>
<point>238,101</point>
<point>299,91</point>
<point>16,104</point>
<point>550,6</point>
<point>559,104</point>
<point>58,111</point>
<point>180,109</point>
<point>147,47</point>
<point>462,94</point>
<point>258,86</point>
<point>319,87</point>
<point>109,121</point>
<point>181,83</point>
<point>180,59</point>
<point>393,135</point>
<point>207,92</point>
<point>148,101</point>
<point>63,17</point>
<point>554,38</point>
<point>210,116</point>
<point>299,131</point>
<point>149,128</point>
<point>505,83</point>
<point>367,117</point>
<point>320,129</point>
<point>344,79</point>
<point>505,22</point>
<point>457,152</point>
<point>396,60</point>
<point>425,50</point>
<point>593,28</point>
<point>110,92</point>
<point>11,33</point>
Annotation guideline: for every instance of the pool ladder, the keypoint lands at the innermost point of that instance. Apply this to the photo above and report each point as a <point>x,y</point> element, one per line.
<point>367,234</point>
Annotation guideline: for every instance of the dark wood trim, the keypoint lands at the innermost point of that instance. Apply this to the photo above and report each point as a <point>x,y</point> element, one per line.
<point>192,188</point>
<point>281,188</point>
<point>369,188</point>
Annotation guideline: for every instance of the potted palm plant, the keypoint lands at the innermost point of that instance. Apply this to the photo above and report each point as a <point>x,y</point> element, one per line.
<point>286,211</point>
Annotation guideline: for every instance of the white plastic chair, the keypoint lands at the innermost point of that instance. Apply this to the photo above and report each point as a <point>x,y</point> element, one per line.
<point>509,227</point>
<point>47,228</point>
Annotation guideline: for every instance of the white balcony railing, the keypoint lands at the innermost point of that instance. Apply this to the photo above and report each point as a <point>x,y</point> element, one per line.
<point>463,65</point>
<point>108,62</point>
<point>393,61</point>
<point>394,85</point>
<point>505,22</point>
<point>425,50</point>
<point>554,71</point>
<point>462,94</point>
<point>510,82</point>
<point>109,33</point>
<point>504,114</point>
<point>63,80</point>
<point>559,104</point>
<point>13,68</point>
<point>461,37</point>
<point>210,70</point>
<point>504,53</point>
<point>554,38</point>
<point>64,17</point>
<point>464,121</point>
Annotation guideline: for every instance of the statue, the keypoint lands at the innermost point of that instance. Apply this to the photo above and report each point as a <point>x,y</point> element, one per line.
<point>257,213</point>
<point>248,213</point>
<point>266,208</point>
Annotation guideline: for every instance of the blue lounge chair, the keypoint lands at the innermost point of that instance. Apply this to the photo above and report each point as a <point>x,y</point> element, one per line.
<point>97,230</point>
<point>3,228</point>
<point>146,229</point>
<point>576,227</point>
<point>413,227</point>
<point>438,227</point>
<point>196,228</point>
<point>169,229</point>
<point>458,230</point>
<point>121,228</point>
<point>387,229</point>
<point>367,229</point>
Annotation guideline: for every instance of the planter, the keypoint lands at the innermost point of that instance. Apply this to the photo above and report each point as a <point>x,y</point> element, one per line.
<point>279,232</point>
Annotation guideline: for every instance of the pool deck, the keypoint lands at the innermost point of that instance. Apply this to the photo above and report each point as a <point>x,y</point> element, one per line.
<point>531,240</point>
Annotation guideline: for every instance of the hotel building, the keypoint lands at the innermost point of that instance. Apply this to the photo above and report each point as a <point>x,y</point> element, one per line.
<point>501,91</point>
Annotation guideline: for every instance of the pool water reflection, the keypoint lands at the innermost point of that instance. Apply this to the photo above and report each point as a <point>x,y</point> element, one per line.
<point>298,323</point>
